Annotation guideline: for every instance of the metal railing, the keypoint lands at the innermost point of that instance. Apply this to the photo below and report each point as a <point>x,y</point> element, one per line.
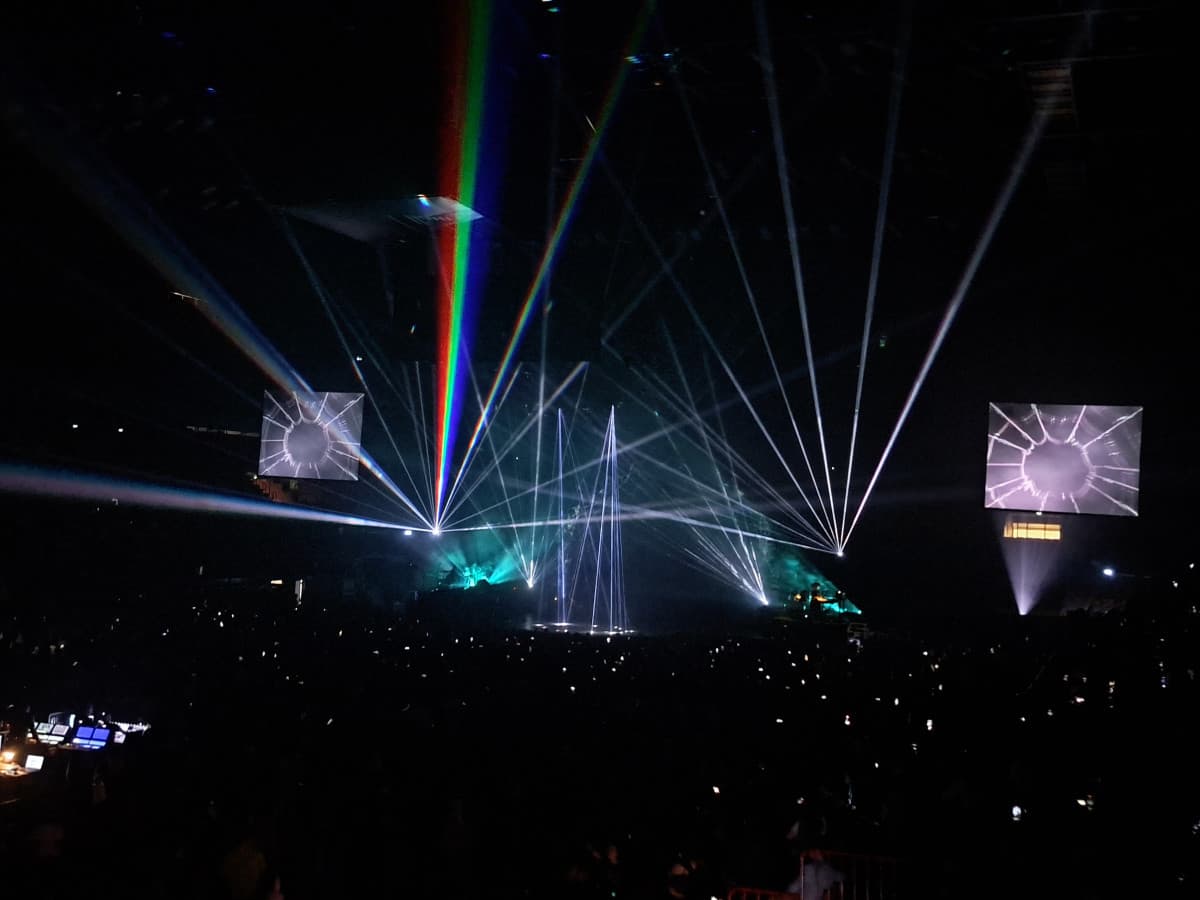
<point>830,875</point>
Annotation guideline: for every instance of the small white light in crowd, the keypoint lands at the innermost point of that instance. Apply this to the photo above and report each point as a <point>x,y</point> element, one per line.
<point>847,720</point>
<point>1081,802</point>
<point>1017,812</point>
<point>716,790</point>
<point>1108,572</point>
<point>329,722</point>
<point>779,721</point>
<point>73,427</point>
<point>408,532</point>
<point>877,765</point>
<point>358,359</point>
<point>572,688</point>
<point>929,724</point>
<point>896,701</point>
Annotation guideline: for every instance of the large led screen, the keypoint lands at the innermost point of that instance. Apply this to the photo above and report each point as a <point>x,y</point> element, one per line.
<point>1064,459</point>
<point>310,435</point>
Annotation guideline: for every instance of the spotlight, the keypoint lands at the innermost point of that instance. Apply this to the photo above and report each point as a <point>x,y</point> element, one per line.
<point>437,531</point>
<point>423,200</point>
<point>840,554</point>
<point>1108,571</point>
<point>530,583</point>
<point>408,532</point>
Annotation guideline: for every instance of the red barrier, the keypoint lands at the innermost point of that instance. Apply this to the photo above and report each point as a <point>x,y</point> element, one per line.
<point>829,875</point>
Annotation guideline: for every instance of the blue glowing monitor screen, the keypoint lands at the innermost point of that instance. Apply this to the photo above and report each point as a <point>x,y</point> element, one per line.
<point>84,734</point>
<point>101,734</point>
<point>310,435</point>
<point>1064,459</point>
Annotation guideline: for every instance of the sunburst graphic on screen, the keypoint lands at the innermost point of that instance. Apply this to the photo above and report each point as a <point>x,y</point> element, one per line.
<point>311,435</point>
<point>1070,459</point>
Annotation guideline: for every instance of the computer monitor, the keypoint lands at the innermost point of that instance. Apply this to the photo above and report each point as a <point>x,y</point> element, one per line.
<point>60,730</point>
<point>84,733</point>
<point>42,728</point>
<point>100,734</point>
<point>119,737</point>
<point>34,763</point>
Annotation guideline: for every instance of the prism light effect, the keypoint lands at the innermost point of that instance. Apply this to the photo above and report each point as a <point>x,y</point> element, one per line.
<point>550,251</point>
<point>1070,459</point>
<point>460,142</point>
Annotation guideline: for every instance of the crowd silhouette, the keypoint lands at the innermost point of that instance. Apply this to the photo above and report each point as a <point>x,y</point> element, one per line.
<point>313,748</point>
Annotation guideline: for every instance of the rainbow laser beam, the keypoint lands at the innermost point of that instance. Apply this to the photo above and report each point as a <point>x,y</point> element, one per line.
<point>566,210</point>
<point>461,140</point>
<point>42,482</point>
